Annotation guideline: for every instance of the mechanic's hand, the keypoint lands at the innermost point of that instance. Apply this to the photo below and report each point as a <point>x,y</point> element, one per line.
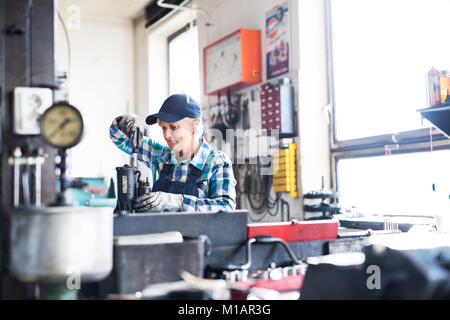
<point>128,125</point>
<point>159,201</point>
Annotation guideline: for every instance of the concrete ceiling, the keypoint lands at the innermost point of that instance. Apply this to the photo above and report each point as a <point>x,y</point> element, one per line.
<point>126,9</point>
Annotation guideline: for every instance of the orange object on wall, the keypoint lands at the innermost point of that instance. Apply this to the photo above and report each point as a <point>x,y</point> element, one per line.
<point>232,62</point>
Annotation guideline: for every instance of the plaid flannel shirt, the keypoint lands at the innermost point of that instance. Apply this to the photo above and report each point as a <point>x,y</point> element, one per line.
<point>216,185</point>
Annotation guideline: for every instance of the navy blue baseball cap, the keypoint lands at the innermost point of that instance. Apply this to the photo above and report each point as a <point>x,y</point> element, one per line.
<point>175,108</point>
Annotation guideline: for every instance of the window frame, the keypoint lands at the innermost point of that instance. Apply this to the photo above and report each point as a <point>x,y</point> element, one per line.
<point>412,141</point>
<point>170,38</point>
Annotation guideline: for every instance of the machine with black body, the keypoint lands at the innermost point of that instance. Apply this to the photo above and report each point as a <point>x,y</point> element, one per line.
<point>129,184</point>
<point>417,274</point>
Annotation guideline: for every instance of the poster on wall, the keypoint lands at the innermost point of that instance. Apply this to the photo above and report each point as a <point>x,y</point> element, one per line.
<point>277,41</point>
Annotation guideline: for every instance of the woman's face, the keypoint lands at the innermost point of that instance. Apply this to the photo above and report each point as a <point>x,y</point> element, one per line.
<point>179,136</point>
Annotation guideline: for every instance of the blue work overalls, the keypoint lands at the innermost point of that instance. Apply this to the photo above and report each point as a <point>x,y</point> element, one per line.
<point>165,184</point>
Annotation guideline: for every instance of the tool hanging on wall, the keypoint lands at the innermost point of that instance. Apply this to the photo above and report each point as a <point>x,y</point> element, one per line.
<point>257,188</point>
<point>285,176</point>
<point>245,115</point>
<point>277,107</point>
<point>225,114</point>
<point>233,109</point>
<point>328,206</point>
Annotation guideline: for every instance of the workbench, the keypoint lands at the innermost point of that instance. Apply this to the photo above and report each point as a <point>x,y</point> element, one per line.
<point>211,240</point>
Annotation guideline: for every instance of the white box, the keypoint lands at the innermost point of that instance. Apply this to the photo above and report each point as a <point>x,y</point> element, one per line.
<point>29,105</point>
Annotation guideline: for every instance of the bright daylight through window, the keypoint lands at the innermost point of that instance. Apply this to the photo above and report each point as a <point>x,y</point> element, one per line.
<point>381,52</point>
<point>398,184</point>
<point>183,63</point>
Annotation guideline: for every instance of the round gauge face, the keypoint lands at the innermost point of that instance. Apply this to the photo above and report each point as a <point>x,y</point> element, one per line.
<point>62,125</point>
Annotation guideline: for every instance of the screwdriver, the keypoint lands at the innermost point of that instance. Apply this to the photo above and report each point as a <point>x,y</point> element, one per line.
<point>136,146</point>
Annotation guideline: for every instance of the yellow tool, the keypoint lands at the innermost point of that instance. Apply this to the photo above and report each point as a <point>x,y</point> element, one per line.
<point>284,178</point>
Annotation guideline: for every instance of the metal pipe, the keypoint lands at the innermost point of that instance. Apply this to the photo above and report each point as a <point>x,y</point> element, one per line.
<point>17,154</point>
<point>26,185</point>
<point>249,254</point>
<point>178,7</point>
<point>38,181</point>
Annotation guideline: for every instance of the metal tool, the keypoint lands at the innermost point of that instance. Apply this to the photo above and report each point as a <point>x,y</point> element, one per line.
<point>129,185</point>
<point>389,224</point>
<point>17,160</point>
<point>37,173</point>
<point>17,157</point>
<point>328,208</point>
<point>234,273</point>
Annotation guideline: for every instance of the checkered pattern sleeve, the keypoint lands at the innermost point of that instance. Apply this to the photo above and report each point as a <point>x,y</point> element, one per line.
<point>149,153</point>
<point>221,194</point>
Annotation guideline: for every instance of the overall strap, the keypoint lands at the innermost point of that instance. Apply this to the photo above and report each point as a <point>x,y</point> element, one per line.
<point>166,171</point>
<point>194,173</point>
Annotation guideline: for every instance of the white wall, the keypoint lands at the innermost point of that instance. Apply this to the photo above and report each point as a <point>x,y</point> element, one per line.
<point>101,87</point>
<point>313,96</point>
<point>141,74</point>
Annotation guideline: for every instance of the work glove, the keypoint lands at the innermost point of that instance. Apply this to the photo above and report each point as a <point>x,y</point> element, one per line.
<point>158,201</point>
<point>128,125</point>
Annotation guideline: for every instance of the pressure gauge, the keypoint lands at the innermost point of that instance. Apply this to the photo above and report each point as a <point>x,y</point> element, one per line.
<point>62,125</point>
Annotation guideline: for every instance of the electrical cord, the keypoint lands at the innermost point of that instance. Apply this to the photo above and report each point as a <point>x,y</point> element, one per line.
<point>69,50</point>
<point>249,183</point>
<point>275,213</point>
<point>266,205</point>
<point>28,42</point>
<point>285,204</point>
<point>231,117</point>
<point>260,218</point>
<point>271,203</point>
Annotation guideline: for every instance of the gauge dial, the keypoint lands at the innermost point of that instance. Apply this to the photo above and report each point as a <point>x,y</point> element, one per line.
<point>62,125</point>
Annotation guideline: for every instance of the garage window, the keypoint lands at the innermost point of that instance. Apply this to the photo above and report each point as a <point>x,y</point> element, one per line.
<point>407,184</point>
<point>184,67</point>
<point>386,158</point>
